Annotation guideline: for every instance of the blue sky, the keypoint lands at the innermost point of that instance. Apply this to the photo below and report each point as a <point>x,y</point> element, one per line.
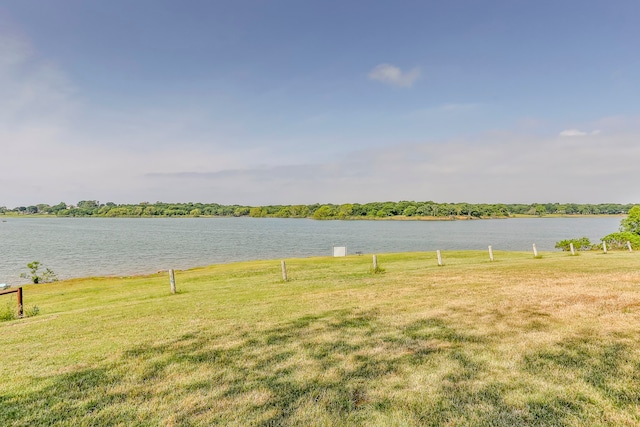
<point>267,102</point>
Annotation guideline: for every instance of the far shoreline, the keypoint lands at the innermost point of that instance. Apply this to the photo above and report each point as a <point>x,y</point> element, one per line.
<point>4,217</point>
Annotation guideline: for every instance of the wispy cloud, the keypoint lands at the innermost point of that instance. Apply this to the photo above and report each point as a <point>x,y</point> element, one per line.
<point>393,75</point>
<point>496,167</point>
<point>577,132</point>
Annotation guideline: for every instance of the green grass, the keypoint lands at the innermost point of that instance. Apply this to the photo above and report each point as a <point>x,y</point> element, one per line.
<point>517,341</point>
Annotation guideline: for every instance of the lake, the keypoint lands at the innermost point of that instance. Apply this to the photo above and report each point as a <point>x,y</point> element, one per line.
<point>79,247</point>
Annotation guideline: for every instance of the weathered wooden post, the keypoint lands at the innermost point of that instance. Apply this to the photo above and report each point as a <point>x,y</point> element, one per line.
<point>629,246</point>
<point>20,305</point>
<point>604,246</point>
<point>172,281</point>
<point>573,251</point>
<point>439,257</point>
<point>284,270</point>
<point>375,263</point>
<point>490,253</point>
<point>535,251</point>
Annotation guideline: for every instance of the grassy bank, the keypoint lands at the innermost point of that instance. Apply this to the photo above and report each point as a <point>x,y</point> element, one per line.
<point>519,341</point>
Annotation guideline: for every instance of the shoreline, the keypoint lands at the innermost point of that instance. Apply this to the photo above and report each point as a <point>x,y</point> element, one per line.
<point>276,263</point>
<point>5,217</point>
<point>86,248</point>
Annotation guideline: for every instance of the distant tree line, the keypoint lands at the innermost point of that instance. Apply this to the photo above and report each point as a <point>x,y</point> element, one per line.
<point>373,210</point>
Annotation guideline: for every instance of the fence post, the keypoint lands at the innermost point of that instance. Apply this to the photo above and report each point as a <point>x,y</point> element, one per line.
<point>573,251</point>
<point>439,257</point>
<point>490,253</point>
<point>284,270</point>
<point>375,262</point>
<point>535,251</point>
<point>172,281</point>
<point>629,246</point>
<point>20,305</point>
<point>604,246</point>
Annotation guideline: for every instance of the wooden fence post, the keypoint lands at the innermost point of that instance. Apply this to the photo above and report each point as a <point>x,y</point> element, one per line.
<point>439,257</point>
<point>284,270</point>
<point>20,304</point>
<point>604,246</point>
<point>535,251</point>
<point>490,253</point>
<point>573,251</point>
<point>172,281</point>
<point>629,246</point>
<point>375,263</point>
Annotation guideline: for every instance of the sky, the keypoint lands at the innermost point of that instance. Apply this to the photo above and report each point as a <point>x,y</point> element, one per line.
<point>296,102</point>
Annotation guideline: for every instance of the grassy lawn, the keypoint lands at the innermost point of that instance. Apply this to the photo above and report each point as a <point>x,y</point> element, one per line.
<point>519,341</point>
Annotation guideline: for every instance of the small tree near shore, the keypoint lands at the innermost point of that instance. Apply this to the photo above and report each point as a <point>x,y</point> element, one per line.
<point>39,274</point>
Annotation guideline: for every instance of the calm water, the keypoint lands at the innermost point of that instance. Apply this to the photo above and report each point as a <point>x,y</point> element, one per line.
<point>77,247</point>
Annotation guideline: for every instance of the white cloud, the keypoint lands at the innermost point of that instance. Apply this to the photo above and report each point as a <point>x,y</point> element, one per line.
<point>393,75</point>
<point>576,132</point>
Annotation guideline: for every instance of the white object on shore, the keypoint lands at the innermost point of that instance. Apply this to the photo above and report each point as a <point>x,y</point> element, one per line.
<point>4,286</point>
<point>339,251</point>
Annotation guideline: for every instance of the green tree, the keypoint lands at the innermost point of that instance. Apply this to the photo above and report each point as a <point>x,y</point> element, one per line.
<point>345,211</point>
<point>324,212</point>
<point>299,211</point>
<point>632,222</point>
<point>284,212</point>
<point>409,211</point>
<point>619,240</point>
<point>257,212</point>
<point>88,204</point>
<point>629,231</point>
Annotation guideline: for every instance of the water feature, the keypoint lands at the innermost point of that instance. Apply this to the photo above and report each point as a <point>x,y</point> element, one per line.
<point>78,247</point>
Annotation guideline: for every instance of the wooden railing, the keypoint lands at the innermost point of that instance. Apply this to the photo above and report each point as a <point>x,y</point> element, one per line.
<point>19,292</point>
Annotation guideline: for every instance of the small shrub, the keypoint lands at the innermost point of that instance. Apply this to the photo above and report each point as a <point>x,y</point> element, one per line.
<point>31,311</point>
<point>8,312</point>
<point>619,240</point>
<point>376,270</point>
<point>36,275</point>
<point>581,244</point>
